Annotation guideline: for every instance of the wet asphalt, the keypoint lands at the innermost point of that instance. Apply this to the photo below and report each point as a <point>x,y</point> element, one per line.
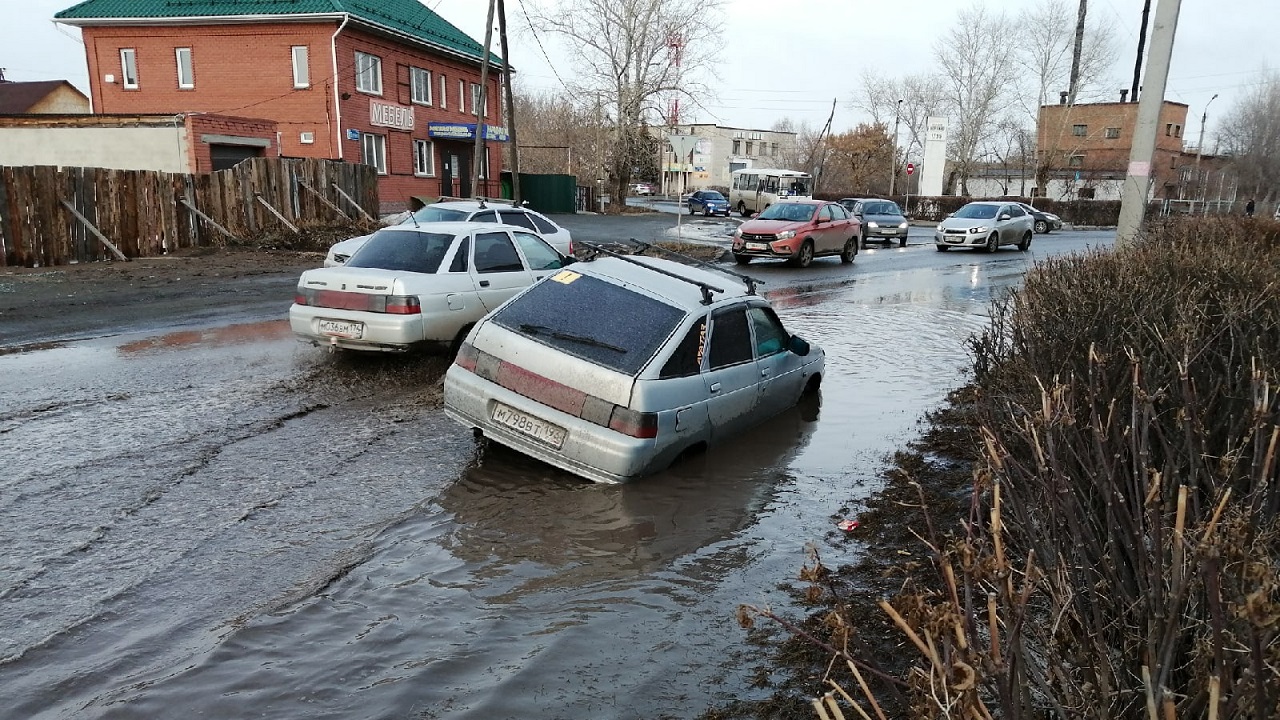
<point>214,520</point>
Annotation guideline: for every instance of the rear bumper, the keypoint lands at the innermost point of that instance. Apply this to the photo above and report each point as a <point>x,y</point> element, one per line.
<point>588,450</point>
<point>381,333</point>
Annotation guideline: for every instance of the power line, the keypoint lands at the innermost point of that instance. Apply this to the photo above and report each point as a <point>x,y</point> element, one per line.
<point>545,56</point>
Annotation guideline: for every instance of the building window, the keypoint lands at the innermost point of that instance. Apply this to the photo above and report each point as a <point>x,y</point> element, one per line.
<point>750,147</point>
<point>301,70</point>
<point>420,86</point>
<point>1113,133</point>
<point>1177,130</point>
<point>424,162</point>
<point>1080,130</point>
<point>1168,129</point>
<point>1075,161</point>
<point>462,96</point>
<point>1086,193</point>
<point>373,149</point>
<point>737,147</point>
<point>368,73</point>
<point>186,79</point>
<point>475,100</point>
<point>444,91</point>
<point>129,68</point>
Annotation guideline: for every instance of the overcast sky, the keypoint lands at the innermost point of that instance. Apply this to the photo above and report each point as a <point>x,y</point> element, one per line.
<point>792,59</point>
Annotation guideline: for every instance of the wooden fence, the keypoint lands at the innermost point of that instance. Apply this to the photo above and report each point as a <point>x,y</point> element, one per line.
<point>57,216</point>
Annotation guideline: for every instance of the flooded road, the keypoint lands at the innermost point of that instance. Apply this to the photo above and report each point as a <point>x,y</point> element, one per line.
<point>220,522</point>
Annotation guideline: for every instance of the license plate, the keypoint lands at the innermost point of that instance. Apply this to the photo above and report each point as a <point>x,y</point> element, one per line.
<point>342,329</point>
<point>539,430</point>
<point>891,231</point>
<point>757,246</point>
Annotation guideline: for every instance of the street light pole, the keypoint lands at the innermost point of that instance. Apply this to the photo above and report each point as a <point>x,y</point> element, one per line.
<point>1200,147</point>
<point>893,168</point>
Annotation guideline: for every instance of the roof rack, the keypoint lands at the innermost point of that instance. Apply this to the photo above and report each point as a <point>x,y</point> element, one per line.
<point>481,199</point>
<point>706,288</point>
<point>747,280</point>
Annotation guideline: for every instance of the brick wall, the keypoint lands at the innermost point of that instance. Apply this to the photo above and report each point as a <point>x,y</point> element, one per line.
<point>1103,156</point>
<point>246,71</point>
<point>201,125</point>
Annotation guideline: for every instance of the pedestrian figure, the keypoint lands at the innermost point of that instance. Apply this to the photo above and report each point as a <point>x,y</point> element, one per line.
<point>1248,208</point>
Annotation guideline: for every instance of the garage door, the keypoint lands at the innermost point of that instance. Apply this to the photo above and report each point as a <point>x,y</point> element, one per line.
<point>224,156</point>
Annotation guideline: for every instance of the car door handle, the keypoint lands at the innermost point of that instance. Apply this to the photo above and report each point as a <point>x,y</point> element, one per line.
<point>715,387</point>
<point>484,283</point>
<point>764,372</point>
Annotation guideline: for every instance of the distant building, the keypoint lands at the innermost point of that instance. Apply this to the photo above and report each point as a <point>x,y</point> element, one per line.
<point>389,84</point>
<point>41,98</point>
<point>1084,150</point>
<point>720,151</point>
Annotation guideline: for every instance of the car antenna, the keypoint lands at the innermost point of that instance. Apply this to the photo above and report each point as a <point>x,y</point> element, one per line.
<point>706,288</point>
<point>413,215</point>
<point>749,281</point>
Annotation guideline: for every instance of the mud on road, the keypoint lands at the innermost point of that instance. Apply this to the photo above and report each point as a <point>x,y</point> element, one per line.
<point>65,302</point>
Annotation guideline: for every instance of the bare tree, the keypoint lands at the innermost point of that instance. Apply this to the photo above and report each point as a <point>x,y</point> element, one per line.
<point>626,57</point>
<point>1250,134</point>
<point>976,55</point>
<point>922,96</point>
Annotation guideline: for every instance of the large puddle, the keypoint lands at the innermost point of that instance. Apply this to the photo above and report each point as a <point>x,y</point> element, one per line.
<point>228,524</point>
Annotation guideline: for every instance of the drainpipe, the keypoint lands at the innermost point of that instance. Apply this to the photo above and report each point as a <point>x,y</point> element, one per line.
<point>333,55</point>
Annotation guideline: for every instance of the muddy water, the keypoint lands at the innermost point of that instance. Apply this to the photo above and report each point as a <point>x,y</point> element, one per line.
<point>225,524</point>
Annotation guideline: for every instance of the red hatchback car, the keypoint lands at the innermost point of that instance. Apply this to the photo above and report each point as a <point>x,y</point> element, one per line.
<point>798,231</point>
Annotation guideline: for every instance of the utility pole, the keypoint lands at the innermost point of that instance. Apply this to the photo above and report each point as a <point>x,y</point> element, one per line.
<point>1074,85</point>
<point>480,103</point>
<point>893,175</point>
<point>1142,41</point>
<point>511,102</point>
<point>1133,200</point>
<point>1200,148</point>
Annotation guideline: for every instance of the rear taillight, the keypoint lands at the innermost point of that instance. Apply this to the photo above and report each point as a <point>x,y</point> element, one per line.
<point>402,305</point>
<point>467,357</point>
<point>339,300</point>
<point>635,424</point>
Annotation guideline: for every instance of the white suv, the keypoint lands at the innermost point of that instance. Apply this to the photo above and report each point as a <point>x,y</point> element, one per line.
<point>613,368</point>
<point>468,211</point>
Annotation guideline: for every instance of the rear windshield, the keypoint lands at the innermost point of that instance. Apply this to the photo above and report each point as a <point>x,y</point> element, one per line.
<point>404,250</point>
<point>437,214</point>
<point>592,319</point>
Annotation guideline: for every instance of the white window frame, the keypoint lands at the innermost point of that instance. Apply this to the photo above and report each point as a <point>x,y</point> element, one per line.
<point>129,68</point>
<point>420,90</point>
<point>444,91</point>
<point>475,100</point>
<point>424,159</point>
<point>301,58</point>
<point>484,164</point>
<point>372,144</point>
<point>368,73</point>
<point>462,96</point>
<point>188,82</point>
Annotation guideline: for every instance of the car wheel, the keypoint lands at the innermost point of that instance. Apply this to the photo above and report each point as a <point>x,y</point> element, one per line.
<point>902,242</point>
<point>741,259</point>
<point>459,339</point>
<point>805,256</point>
<point>850,250</point>
<point>706,212</point>
<point>1042,227</point>
<point>1026,241</point>
<point>862,239</point>
<point>993,242</point>
<point>942,248</point>
<point>742,209</point>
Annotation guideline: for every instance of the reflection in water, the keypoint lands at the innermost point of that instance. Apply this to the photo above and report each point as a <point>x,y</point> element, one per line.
<point>510,508</point>
<point>210,337</point>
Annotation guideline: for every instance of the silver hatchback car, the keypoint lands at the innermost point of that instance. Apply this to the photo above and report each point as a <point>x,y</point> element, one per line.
<point>985,225</point>
<point>614,368</point>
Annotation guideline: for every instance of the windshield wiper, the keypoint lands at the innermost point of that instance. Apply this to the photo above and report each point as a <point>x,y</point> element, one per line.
<point>560,335</point>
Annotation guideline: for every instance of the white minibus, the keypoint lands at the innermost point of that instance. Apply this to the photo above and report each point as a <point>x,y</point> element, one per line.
<point>754,189</point>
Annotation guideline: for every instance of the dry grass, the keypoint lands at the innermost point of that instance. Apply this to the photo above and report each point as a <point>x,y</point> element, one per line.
<point>1118,553</point>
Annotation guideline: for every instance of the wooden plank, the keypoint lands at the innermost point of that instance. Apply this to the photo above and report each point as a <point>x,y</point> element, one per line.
<point>190,206</point>
<point>324,200</point>
<point>345,196</point>
<point>277,213</point>
<point>94,230</point>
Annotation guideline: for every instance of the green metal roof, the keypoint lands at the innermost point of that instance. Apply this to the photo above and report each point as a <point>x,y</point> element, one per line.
<point>406,16</point>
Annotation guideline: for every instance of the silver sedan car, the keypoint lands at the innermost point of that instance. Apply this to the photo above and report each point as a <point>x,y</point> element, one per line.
<point>985,225</point>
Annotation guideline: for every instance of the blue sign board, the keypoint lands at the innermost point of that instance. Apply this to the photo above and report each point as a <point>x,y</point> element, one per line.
<point>353,134</point>
<point>466,131</point>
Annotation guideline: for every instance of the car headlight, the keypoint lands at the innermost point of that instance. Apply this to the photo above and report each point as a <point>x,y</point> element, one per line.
<point>979,229</point>
<point>786,234</point>
<point>737,232</point>
<point>872,224</point>
<point>903,226</point>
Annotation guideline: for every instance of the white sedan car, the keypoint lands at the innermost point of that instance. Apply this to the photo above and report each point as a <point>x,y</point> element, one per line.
<point>468,211</point>
<point>419,287</point>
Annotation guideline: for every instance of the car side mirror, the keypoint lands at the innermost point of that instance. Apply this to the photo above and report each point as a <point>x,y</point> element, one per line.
<point>798,345</point>
<point>1005,216</point>
<point>567,260</point>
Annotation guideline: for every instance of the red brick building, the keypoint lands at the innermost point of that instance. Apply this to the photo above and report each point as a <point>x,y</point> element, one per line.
<point>388,83</point>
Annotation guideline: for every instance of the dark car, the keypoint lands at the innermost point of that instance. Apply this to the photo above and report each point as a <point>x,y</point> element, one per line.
<point>882,220</point>
<point>1045,221</point>
<point>708,202</point>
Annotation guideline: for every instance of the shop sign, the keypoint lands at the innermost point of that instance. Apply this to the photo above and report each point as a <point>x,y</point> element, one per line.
<point>388,115</point>
<point>466,131</point>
